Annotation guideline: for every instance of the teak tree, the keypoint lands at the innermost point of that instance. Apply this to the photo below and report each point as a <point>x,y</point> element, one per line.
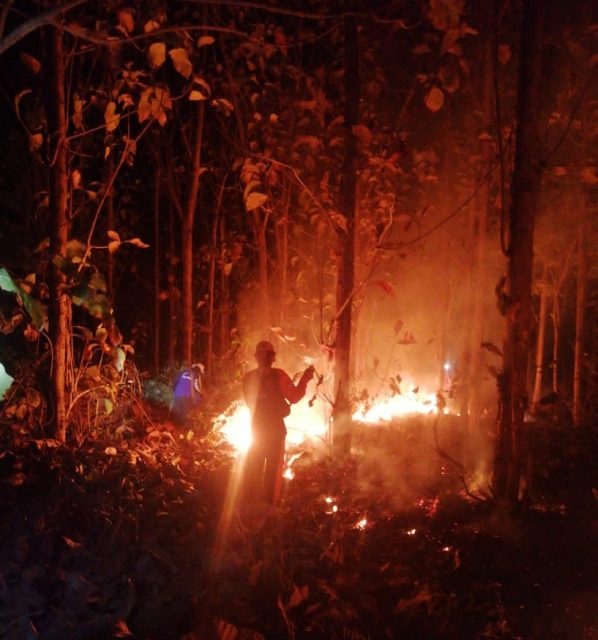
<point>525,189</point>
<point>60,303</point>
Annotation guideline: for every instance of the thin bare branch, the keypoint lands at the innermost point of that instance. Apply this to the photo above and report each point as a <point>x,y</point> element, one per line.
<point>48,17</point>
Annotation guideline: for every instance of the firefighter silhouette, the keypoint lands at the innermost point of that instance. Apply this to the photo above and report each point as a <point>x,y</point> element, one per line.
<point>187,393</point>
<point>268,393</point>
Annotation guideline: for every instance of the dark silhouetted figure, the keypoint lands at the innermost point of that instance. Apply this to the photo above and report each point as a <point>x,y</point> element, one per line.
<point>268,392</point>
<point>187,394</point>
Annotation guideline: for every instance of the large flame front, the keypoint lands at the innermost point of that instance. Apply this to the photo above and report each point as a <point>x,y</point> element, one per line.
<point>311,422</point>
<point>305,423</point>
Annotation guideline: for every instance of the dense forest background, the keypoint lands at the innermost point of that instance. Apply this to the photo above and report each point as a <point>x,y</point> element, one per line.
<point>401,193</point>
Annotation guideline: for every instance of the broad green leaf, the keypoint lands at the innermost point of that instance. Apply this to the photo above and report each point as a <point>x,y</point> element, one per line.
<point>118,359</point>
<point>157,55</point>
<point>111,118</point>
<point>77,116</point>
<point>5,381</point>
<point>202,86</point>
<point>255,200</point>
<point>151,25</point>
<point>75,249</point>
<point>33,64</point>
<point>181,62</point>
<point>435,99</point>
<point>202,41</point>
<point>195,95</point>
<point>7,283</point>
<point>35,141</point>
<point>138,243</point>
<point>126,21</point>
<point>108,406</point>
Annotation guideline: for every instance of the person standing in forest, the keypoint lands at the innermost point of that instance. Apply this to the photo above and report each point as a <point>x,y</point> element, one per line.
<point>268,392</point>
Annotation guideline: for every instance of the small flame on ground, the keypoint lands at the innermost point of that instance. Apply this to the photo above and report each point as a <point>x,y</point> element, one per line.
<point>411,532</point>
<point>398,405</point>
<point>329,500</point>
<point>288,472</point>
<point>361,524</point>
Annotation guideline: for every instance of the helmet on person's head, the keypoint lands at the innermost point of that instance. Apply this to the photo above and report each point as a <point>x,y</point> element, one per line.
<point>264,347</point>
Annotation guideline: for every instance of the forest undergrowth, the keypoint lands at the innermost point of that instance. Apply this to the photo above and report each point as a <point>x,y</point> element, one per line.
<point>127,536</point>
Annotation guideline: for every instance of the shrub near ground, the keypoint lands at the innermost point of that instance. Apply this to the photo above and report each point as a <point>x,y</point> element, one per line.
<point>118,537</point>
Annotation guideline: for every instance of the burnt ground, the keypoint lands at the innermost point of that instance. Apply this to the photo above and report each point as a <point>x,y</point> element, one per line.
<point>123,537</point>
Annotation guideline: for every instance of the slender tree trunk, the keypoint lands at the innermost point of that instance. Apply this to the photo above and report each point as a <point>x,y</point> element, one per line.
<point>282,248</point>
<point>260,225</point>
<point>224,296</point>
<point>341,415</point>
<point>539,362</point>
<point>484,204</point>
<point>525,186</point>
<point>60,304</point>
<point>110,225</point>
<point>556,322</point>
<point>157,315</point>
<point>187,238</point>
<point>212,285</point>
<point>582,272</point>
<point>173,294</point>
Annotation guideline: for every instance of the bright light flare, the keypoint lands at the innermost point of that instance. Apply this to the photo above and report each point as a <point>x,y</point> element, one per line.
<point>235,426</point>
<point>361,524</point>
<point>304,423</point>
<point>411,532</point>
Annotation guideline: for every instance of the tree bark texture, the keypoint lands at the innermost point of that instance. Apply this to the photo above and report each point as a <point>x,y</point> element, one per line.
<point>60,303</point>
<point>187,237</point>
<point>341,415</point>
<point>580,306</point>
<point>157,247</point>
<point>525,186</point>
<point>173,293</point>
<point>483,207</point>
<point>541,339</point>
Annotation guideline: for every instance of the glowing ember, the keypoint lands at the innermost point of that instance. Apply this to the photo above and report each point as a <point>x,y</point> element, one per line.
<point>361,524</point>
<point>411,532</point>
<point>334,508</point>
<point>399,405</point>
<point>329,500</point>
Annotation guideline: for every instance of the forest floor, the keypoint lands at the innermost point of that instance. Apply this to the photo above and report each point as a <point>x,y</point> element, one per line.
<point>136,535</point>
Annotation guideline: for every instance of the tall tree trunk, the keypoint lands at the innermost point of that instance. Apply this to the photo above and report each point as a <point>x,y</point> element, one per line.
<point>582,272</point>
<point>212,284</point>
<point>173,294</point>
<point>260,225</point>
<point>282,250</point>
<point>539,362</point>
<point>525,186</point>
<point>483,207</point>
<point>556,323</point>
<point>187,238</point>
<point>224,295</point>
<point>60,304</point>
<point>110,224</point>
<point>157,314</point>
<point>341,415</point>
